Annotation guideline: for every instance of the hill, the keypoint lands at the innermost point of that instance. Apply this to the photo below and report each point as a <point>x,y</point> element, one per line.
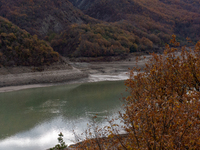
<point>150,23</point>
<point>80,28</point>
<point>99,40</point>
<point>181,17</point>
<point>18,47</point>
<point>42,17</point>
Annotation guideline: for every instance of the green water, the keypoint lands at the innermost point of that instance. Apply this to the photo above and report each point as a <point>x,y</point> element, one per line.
<point>31,118</point>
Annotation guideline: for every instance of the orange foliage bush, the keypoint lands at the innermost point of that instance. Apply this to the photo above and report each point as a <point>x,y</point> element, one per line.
<point>163,109</point>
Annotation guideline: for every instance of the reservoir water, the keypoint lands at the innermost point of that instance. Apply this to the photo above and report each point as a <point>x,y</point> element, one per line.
<point>31,119</point>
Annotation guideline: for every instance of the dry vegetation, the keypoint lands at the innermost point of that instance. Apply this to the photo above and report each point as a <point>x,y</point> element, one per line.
<point>163,109</point>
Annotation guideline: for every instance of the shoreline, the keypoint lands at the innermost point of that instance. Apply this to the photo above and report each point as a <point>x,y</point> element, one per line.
<point>89,78</point>
<point>71,72</point>
<point>14,82</point>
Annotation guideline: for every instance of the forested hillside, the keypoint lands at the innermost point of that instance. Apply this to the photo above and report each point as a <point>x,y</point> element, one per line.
<point>181,17</point>
<point>105,28</point>
<point>99,40</point>
<point>18,47</point>
<point>42,17</point>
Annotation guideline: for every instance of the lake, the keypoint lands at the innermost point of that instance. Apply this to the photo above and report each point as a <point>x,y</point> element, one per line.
<point>32,118</point>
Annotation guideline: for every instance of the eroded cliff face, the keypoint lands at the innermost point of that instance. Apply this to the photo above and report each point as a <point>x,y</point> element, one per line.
<point>52,23</point>
<point>83,4</point>
<point>102,10</point>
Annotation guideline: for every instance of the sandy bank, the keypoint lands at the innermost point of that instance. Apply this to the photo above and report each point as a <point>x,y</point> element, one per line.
<point>111,67</point>
<point>41,77</point>
<point>12,79</point>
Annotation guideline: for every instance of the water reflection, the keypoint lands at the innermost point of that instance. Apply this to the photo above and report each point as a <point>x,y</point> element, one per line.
<point>32,118</point>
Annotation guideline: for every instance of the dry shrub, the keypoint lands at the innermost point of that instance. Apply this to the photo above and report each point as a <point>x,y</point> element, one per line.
<point>163,109</point>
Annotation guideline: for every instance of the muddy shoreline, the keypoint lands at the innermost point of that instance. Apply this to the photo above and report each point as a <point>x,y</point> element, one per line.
<point>18,78</point>
<point>41,77</point>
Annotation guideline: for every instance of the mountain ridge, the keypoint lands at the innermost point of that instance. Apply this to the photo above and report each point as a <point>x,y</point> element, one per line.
<point>69,25</point>
<point>42,17</point>
<point>166,13</point>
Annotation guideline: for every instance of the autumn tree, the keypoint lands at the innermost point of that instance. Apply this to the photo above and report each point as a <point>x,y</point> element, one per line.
<point>163,108</point>
<point>162,111</point>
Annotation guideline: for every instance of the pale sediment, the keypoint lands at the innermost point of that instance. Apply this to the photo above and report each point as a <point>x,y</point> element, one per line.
<point>55,76</point>
<point>61,73</point>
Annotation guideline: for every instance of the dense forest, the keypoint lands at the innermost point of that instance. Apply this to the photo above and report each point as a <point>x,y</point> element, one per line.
<point>181,17</point>
<point>42,17</point>
<point>18,47</point>
<point>95,28</point>
<point>99,40</point>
